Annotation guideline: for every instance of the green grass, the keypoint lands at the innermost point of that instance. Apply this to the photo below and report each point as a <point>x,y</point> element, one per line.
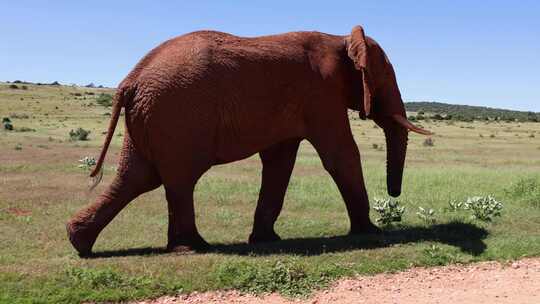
<point>41,187</point>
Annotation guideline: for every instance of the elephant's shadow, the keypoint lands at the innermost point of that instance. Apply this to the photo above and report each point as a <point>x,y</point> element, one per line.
<point>467,237</point>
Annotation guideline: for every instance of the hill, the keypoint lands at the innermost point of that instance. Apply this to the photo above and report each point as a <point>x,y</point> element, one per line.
<point>439,110</point>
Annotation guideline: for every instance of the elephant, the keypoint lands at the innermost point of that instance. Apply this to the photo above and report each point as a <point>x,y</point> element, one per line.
<point>208,98</point>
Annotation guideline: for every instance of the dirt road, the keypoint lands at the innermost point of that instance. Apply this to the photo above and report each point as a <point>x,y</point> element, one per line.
<point>488,282</point>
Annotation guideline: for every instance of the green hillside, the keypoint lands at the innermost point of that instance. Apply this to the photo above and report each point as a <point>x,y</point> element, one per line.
<point>440,111</point>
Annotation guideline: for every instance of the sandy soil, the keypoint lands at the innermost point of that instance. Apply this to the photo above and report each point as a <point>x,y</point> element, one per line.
<point>488,282</point>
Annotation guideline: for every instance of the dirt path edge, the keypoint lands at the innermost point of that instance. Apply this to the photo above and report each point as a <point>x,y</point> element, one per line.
<point>484,282</point>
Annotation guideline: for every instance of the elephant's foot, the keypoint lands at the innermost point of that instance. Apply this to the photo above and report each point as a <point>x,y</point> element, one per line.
<point>185,245</point>
<point>271,236</point>
<point>81,238</point>
<point>365,228</point>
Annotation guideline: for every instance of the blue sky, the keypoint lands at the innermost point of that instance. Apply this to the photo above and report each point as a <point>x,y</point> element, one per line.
<point>467,52</point>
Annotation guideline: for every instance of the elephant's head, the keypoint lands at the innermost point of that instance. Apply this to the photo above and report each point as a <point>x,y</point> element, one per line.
<point>382,102</point>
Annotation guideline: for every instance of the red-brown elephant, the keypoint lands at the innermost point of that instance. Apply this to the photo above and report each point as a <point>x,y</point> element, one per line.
<point>208,98</point>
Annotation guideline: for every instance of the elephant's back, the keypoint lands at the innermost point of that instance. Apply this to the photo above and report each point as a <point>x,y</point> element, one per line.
<point>204,82</point>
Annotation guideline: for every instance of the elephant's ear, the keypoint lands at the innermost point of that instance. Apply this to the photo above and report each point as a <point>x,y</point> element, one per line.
<point>357,50</point>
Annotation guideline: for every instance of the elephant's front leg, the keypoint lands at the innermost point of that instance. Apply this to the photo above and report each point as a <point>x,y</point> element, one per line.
<point>341,158</point>
<point>278,163</point>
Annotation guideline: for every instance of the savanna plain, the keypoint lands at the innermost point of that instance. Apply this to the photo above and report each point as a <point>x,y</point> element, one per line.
<point>42,185</point>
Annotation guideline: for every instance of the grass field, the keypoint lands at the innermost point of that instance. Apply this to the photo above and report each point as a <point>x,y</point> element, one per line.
<point>41,187</point>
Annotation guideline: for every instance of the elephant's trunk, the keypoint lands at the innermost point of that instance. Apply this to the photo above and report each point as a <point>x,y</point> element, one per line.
<point>396,149</point>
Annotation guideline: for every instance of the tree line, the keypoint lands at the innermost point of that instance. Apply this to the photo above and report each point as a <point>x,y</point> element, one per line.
<point>444,111</point>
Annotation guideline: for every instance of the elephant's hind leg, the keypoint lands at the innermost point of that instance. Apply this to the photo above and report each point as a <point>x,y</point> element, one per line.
<point>278,163</point>
<point>134,176</point>
<point>183,235</point>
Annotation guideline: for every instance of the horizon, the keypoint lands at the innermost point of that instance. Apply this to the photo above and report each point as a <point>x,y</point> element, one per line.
<point>452,52</point>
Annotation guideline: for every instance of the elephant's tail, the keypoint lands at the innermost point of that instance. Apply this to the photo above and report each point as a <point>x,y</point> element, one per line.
<point>118,103</point>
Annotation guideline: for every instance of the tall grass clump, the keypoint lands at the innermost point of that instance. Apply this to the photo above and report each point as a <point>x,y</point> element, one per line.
<point>289,278</point>
<point>79,134</point>
<point>104,99</point>
<point>525,190</point>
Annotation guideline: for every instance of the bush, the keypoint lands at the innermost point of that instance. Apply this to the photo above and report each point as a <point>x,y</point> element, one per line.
<point>428,142</point>
<point>289,278</point>
<point>7,124</point>
<point>437,117</point>
<point>389,211</point>
<point>526,190</point>
<point>104,99</point>
<point>25,129</point>
<point>426,215</point>
<point>87,163</point>
<point>13,86</point>
<point>79,134</point>
<point>455,205</point>
<point>484,208</point>
<point>19,116</point>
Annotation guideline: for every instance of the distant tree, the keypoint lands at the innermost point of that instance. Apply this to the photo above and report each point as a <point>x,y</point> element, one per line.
<point>437,117</point>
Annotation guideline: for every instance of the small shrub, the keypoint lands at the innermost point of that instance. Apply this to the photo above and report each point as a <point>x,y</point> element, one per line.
<point>24,87</point>
<point>18,147</point>
<point>87,163</point>
<point>375,146</point>
<point>426,215</point>
<point>436,256</point>
<point>8,126</point>
<point>455,205</point>
<point>531,135</point>
<point>428,142</point>
<point>389,211</point>
<point>13,86</point>
<point>484,208</point>
<point>79,134</point>
<point>492,136</point>
<point>289,278</point>
<point>19,116</point>
<point>25,129</point>
<point>104,99</point>
<point>526,190</point>
<point>6,119</point>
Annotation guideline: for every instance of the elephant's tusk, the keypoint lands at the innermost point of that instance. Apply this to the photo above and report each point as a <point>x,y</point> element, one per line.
<point>409,125</point>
